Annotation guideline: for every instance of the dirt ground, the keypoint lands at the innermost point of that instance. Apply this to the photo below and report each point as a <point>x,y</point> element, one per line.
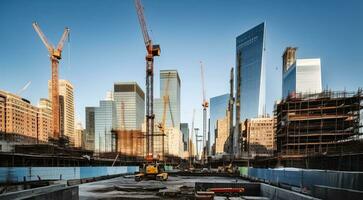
<point>177,187</point>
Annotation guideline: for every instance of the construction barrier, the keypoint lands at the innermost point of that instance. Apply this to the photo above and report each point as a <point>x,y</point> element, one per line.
<point>22,174</point>
<point>305,179</point>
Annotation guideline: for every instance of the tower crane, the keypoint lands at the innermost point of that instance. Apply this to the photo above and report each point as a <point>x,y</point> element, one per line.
<point>191,153</point>
<point>150,169</point>
<point>205,105</point>
<point>152,50</point>
<point>55,54</point>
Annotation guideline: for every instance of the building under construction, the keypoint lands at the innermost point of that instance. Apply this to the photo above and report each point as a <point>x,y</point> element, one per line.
<point>321,124</point>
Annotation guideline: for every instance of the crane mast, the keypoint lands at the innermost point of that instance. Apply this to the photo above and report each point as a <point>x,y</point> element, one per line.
<point>55,55</point>
<point>205,105</point>
<point>152,50</point>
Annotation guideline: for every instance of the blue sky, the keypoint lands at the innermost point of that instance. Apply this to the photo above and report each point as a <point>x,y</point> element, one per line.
<point>106,44</point>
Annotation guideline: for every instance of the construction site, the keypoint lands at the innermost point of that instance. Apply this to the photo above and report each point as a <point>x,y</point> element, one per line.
<point>312,147</point>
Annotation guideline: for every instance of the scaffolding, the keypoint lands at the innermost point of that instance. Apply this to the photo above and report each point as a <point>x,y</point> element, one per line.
<point>317,124</point>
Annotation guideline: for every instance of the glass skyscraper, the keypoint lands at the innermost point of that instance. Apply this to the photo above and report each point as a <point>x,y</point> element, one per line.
<point>173,108</point>
<point>251,46</point>
<point>130,100</point>
<point>185,130</point>
<point>90,128</point>
<point>105,121</point>
<point>217,110</point>
<point>303,76</point>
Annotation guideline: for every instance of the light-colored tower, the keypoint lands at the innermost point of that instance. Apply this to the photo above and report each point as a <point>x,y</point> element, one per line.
<point>66,109</point>
<point>45,118</point>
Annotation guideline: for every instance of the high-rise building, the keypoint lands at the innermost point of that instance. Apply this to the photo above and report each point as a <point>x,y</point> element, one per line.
<point>170,77</point>
<point>250,48</point>
<point>222,130</point>
<point>22,122</point>
<point>300,75</point>
<point>78,139</point>
<point>130,105</point>
<point>66,109</point>
<point>217,110</point>
<point>184,127</point>
<point>19,117</point>
<point>45,118</point>
<point>105,122</point>
<point>90,128</point>
<point>260,138</point>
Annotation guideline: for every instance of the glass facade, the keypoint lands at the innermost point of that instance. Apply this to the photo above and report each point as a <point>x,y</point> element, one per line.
<point>185,130</point>
<point>129,96</point>
<point>304,76</point>
<point>173,109</point>
<point>251,44</point>
<point>217,110</point>
<point>105,121</point>
<point>90,128</point>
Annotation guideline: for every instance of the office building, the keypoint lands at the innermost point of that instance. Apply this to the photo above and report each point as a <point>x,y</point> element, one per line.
<point>184,128</point>
<point>130,105</point>
<point>45,125</point>
<point>217,110</point>
<point>66,109</point>
<point>170,85</point>
<point>222,133</point>
<point>250,48</point>
<point>105,122</point>
<point>259,136</point>
<point>21,122</point>
<point>90,128</point>
<point>300,75</point>
<point>79,133</point>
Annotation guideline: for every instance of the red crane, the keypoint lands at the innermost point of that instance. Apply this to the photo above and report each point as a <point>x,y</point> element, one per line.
<point>152,50</point>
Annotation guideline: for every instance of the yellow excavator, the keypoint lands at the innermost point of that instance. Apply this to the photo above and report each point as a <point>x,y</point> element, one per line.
<point>152,171</point>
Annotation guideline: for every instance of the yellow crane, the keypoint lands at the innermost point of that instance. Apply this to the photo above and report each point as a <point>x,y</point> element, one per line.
<point>55,54</point>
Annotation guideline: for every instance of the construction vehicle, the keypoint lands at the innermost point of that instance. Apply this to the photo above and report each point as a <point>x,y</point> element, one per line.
<point>55,55</point>
<point>151,169</point>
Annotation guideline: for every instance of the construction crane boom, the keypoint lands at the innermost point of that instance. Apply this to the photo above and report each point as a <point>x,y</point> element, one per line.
<point>140,14</point>
<point>44,39</point>
<point>64,37</point>
<point>24,88</point>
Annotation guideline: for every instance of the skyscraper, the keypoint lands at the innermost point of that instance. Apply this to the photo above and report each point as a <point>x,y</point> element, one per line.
<point>251,46</point>
<point>185,130</point>
<point>300,75</point>
<point>105,122</point>
<point>170,77</point>
<point>90,128</point>
<point>130,105</point>
<point>217,110</point>
<point>66,106</point>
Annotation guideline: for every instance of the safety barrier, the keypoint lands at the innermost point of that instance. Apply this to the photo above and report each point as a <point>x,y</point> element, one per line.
<point>305,179</point>
<point>21,174</point>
